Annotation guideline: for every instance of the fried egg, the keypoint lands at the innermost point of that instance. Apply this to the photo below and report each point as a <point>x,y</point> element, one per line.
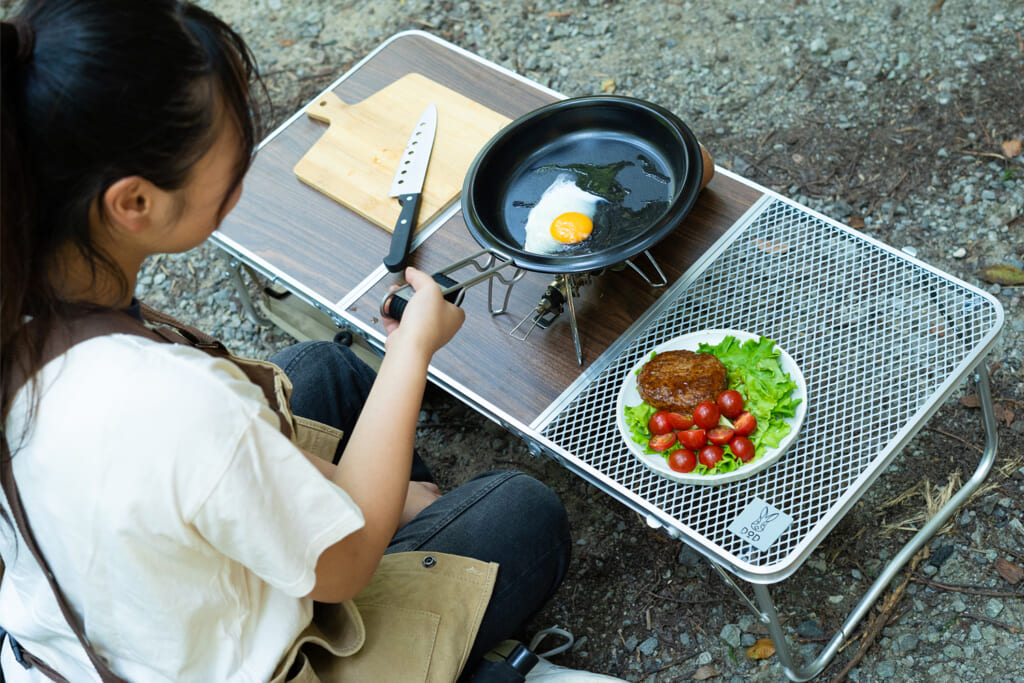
<point>563,215</point>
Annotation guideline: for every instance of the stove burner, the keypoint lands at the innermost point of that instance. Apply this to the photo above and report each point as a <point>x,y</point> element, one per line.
<point>488,265</point>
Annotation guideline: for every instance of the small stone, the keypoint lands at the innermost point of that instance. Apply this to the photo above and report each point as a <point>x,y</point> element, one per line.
<point>688,557</point>
<point>959,252</point>
<point>819,46</point>
<point>908,642</point>
<point>631,643</point>
<point>704,658</point>
<point>885,670</point>
<point>731,634</point>
<point>993,608</point>
<point>809,629</point>
<point>649,646</point>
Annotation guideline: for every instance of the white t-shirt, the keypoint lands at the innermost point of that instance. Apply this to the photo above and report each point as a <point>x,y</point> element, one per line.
<point>183,528</point>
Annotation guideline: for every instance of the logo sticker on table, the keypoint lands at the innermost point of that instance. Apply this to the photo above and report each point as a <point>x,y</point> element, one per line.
<point>760,524</point>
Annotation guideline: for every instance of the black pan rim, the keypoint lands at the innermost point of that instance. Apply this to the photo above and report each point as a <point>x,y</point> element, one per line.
<point>689,188</point>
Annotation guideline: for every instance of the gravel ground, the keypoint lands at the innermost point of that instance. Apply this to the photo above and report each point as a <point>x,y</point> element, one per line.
<point>890,116</point>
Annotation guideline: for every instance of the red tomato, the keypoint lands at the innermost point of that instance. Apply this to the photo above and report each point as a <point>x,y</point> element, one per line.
<point>662,442</point>
<point>745,424</point>
<point>660,423</point>
<point>710,456</point>
<point>680,421</point>
<point>742,448</point>
<point>730,402</point>
<point>682,460</point>
<point>720,435</point>
<point>706,415</point>
<point>693,438</point>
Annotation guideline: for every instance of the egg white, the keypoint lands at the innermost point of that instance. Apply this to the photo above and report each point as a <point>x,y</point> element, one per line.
<point>562,196</point>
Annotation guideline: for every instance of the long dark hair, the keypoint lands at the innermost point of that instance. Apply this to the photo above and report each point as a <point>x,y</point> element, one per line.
<point>94,91</point>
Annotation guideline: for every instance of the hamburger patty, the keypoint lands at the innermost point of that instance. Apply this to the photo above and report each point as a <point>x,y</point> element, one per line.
<point>680,380</point>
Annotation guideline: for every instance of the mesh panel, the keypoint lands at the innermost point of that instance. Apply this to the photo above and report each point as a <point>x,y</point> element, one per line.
<point>875,335</point>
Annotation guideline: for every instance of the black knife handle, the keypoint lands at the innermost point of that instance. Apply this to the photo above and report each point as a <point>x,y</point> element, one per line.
<point>402,236</point>
<point>394,305</point>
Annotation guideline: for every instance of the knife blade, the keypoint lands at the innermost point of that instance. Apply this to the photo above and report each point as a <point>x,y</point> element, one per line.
<point>407,186</point>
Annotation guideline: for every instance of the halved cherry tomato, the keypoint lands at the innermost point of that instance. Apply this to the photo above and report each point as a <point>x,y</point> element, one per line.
<point>662,442</point>
<point>710,456</point>
<point>680,421</point>
<point>730,402</point>
<point>660,423</point>
<point>693,438</point>
<point>742,448</point>
<point>682,460</point>
<point>720,435</point>
<point>745,424</point>
<point>706,415</point>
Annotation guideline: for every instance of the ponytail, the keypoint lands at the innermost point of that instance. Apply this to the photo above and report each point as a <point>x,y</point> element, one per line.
<point>17,41</point>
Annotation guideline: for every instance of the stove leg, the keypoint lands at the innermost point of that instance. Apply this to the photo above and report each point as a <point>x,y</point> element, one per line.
<point>572,319</point>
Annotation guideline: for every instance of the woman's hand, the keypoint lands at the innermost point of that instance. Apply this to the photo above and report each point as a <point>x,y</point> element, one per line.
<point>429,322</point>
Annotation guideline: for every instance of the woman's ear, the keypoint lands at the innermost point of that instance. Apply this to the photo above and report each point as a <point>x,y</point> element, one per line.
<point>130,203</point>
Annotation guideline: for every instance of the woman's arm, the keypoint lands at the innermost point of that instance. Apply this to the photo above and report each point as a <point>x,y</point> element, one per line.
<point>374,469</point>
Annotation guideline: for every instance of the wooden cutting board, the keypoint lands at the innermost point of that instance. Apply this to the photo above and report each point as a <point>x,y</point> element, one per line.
<point>355,159</point>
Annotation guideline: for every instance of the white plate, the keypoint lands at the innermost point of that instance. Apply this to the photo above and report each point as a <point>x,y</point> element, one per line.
<point>628,396</point>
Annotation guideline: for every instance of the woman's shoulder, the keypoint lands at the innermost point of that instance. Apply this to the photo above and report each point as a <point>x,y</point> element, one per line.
<point>138,365</point>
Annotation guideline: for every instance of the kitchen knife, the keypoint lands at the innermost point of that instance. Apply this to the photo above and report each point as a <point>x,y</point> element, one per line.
<point>407,185</point>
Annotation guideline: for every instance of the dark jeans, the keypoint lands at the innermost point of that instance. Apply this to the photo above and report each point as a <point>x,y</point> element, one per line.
<point>504,517</point>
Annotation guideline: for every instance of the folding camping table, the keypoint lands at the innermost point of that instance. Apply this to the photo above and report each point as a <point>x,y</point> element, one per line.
<point>882,339</point>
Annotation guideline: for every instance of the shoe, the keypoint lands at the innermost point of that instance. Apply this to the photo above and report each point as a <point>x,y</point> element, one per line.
<point>546,672</point>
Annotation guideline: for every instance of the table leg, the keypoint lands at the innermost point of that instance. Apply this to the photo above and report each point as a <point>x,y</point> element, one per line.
<point>235,273</point>
<point>769,614</point>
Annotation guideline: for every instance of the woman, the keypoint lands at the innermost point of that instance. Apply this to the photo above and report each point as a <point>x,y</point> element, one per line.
<point>189,534</point>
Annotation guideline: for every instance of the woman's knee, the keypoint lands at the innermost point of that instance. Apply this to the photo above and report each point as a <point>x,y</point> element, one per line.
<point>532,506</point>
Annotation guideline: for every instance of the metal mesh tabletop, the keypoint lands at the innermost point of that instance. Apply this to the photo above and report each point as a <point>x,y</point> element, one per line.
<point>881,339</point>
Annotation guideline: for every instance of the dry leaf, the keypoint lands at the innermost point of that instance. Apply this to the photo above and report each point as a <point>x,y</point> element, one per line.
<point>1009,571</point>
<point>608,85</point>
<point>1012,148</point>
<point>704,673</point>
<point>1003,414</point>
<point>559,15</point>
<point>288,42</point>
<point>762,649</point>
<point>970,401</point>
<point>1002,275</point>
<point>857,222</point>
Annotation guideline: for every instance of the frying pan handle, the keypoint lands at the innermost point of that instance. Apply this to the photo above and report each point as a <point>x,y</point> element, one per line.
<point>709,167</point>
<point>394,304</point>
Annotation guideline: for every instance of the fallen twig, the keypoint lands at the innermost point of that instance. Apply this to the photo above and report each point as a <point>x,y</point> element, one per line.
<point>955,438</point>
<point>987,620</point>
<point>797,79</point>
<point>674,662</point>
<point>969,590</point>
<point>881,619</point>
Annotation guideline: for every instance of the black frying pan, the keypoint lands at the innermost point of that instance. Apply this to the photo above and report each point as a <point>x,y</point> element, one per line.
<point>636,155</point>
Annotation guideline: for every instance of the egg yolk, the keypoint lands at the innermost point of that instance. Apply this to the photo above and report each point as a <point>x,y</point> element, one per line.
<point>572,227</point>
